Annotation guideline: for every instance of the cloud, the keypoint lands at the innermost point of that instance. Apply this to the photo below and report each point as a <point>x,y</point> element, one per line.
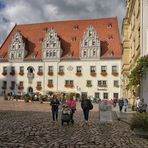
<point>33,11</point>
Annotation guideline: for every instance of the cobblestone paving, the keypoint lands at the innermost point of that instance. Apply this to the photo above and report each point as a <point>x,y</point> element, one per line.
<point>36,130</point>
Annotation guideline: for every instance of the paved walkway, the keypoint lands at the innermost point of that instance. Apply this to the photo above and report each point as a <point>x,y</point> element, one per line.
<point>34,129</point>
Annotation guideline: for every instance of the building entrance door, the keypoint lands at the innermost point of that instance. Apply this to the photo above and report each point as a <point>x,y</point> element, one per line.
<point>30,90</point>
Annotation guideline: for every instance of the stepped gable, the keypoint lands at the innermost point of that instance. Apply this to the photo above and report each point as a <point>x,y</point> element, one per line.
<point>70,33</point>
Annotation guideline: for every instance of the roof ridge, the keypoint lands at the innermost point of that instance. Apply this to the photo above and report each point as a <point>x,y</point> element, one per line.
<point>74,20</point>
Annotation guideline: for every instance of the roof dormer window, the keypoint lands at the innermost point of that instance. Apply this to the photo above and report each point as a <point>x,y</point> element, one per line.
<point>90,33</point>
<point>109,25</point>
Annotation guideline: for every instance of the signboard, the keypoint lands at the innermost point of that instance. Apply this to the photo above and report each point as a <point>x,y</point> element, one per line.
<point>105,110</point>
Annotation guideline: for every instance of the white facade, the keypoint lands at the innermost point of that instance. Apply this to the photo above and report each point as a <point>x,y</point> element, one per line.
<point>79,82</point>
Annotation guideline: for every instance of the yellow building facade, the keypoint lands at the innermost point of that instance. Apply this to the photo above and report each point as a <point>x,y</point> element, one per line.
<point>131,47</point>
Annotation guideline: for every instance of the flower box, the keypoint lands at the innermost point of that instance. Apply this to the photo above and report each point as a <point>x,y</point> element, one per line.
<point>69,85</point>
<point>88,85</point>
<point>3,87</point>
<point>4,73</point>
<point>104,74</point>
<point>21,73</point>
<point>40,73</point>
<point>50,73</point>
<point>50,85</point>
<point>115,74</point>
<point>12,73</point>
<point>61,73</point>
<point>39,88</point>
<point>78,74</point>
<point>102,85</point>
<point>11,87</point>
<point>93,74</point>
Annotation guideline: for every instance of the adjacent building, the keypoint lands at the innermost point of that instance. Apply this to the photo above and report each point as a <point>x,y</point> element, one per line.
<point>81,56</point>
<point>135,45</point>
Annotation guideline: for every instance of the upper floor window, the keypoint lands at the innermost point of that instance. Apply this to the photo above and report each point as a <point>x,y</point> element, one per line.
<point>12,68</point>
<point>12,55</point>
<point>19,55</point>
<point>85,43</point>
<point>102,82</point>
<point>94,52</point>
<point>84,53</point>
<point>103,68</point>
<point>92,68</point>
<point>90,33</point>
<point>50,81</point>
<point>116,83</point>
<point>4,69</point>
<point>105,95</point>
<point>50,68</point>
<point>39,83</point>
<point>114,69</point>
<point>93,42</point>
<point>109,25</point>
<point>61,68</point>
<point>79,69</point>
<point>54,53</point>
<point>21,83</point>
<point>22,69</point>
<point>40,68</point>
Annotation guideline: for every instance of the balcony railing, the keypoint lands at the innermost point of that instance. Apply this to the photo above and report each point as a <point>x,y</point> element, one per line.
<point>50,85</point>
<point>30,75</point>
<point>40,73</point>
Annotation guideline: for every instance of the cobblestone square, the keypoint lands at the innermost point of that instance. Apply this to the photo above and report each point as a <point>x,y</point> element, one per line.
<point>35,129</point>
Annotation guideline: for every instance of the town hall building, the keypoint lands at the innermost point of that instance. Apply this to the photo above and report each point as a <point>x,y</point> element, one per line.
<point>80,56</point>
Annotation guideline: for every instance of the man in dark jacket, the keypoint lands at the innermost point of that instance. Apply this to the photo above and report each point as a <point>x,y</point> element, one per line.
<point>121,104</point>
<point>54,107</point>
<point>86,105</point>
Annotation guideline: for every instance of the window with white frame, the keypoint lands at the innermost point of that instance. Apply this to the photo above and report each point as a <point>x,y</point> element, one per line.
<point>116,83</point>
<point>116,95</point>
<point>103,68</point>
<point>89,82</point>
<point>105,95</point>
<point>39,83</point>
<point>50,81</point>
<point>102,82</point>
<point>21,83</point>
<point>92,68</point>
<point>114,69</point>
<point>22,69</point>
<point>61,68</point>
<point>50,68</point>
<point>84,53</point>
<point>78,69</point>
<point>5,69</point>
<point>40,68</point>
<point>71,82</point>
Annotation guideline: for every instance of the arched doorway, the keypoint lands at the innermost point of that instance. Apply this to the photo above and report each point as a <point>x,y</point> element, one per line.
<point>30,90</point>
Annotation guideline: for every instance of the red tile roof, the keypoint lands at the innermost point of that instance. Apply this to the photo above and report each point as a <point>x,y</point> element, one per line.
<point>70,37</point>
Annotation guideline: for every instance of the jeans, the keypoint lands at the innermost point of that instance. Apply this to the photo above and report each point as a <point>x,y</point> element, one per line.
<point>86,114</point>
<point>54,113</point>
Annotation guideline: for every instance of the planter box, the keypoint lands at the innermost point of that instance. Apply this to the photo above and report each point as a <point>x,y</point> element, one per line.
<point>141,133</point>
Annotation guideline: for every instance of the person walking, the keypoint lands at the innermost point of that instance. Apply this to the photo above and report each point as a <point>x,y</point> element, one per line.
<point>121,104</point>
<point>71,103</point>
<point>54,107</point>
<point>125,104</point>
<point>86,106</point>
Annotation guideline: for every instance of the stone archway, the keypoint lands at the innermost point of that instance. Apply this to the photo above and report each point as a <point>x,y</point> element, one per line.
<point>30,90</point>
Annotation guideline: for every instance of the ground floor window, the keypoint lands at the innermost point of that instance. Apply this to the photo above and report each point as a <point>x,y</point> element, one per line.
<point>115,95</point>
<point>97,95</point>
<point>105,95</point>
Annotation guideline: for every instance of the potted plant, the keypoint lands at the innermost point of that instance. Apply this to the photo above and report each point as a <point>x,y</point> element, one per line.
<point>21,73</point>
<point>93,74</point>
<point>38,88</point>
<point>50,73</point>
<point>104,73</point>
<point>78,74</point>
<point>26,98</point>
<point>39,73</point>
<point>114,73</point>
<point>50,85</point>
<point>4,73</point>
<point>139,124</point>
<point>61,73</point>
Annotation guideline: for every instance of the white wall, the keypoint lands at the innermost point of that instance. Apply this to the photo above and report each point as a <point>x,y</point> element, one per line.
<point>59,81</point>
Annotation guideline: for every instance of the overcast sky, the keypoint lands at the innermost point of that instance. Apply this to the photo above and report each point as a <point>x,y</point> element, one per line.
<point>32,11</point>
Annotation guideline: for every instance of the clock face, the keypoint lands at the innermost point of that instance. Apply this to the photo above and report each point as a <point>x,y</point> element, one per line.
<point>70,68</point>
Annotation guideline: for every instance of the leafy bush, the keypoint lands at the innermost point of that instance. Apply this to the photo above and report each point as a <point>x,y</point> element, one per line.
<point>140,121</point>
